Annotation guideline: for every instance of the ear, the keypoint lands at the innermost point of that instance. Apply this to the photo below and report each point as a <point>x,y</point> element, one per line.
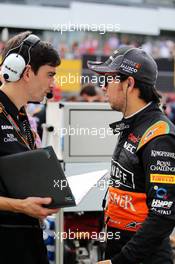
<point>131,83</point>
<point>27,73</point>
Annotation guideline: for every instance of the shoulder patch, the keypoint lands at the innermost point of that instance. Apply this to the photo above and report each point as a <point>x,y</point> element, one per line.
<point>159,128</point>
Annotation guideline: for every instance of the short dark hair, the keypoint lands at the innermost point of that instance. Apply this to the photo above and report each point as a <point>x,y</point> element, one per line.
<point>147,92</point>
<point>88,89</point>
<point>41,54</point>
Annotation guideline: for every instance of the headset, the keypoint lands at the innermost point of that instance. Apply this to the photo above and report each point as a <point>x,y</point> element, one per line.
<point>14,64</point>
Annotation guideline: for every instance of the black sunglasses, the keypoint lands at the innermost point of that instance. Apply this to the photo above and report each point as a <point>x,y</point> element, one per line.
<point>118,78</point>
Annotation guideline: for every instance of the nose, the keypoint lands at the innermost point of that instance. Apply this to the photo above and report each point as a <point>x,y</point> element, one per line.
<point>52,82</point>
<point>104,88</point>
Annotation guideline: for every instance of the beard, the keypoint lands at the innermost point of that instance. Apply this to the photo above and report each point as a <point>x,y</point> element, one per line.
<point>116,107</point>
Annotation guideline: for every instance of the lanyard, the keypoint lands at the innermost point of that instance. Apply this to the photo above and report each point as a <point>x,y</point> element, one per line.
<point>16,128</point>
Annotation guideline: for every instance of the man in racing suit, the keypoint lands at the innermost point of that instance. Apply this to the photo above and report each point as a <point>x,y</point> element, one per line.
<point>141,196</point>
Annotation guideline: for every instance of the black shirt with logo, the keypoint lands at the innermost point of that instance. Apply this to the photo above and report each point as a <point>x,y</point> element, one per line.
<point>21,238</point>
<point>11,143</point>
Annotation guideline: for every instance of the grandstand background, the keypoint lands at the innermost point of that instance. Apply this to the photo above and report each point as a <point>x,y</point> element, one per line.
<point>141,23</point>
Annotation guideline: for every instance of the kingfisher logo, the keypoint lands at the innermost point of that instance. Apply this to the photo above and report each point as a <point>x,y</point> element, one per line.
<point>159,153</point>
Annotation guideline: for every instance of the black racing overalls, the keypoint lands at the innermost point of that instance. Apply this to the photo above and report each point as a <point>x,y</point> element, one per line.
<point>141,198</point>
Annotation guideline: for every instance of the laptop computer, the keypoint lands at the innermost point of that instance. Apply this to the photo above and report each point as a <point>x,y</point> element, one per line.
<point>38,173</point>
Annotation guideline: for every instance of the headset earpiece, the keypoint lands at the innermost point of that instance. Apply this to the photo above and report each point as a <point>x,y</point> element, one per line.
<point>12,67</point>
<point>14,64</point>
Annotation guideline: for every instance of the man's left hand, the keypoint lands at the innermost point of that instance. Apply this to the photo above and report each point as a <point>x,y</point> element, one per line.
<point>105,262</point>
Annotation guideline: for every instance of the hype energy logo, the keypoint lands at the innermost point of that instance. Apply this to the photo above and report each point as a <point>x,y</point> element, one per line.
<point>162,178</point>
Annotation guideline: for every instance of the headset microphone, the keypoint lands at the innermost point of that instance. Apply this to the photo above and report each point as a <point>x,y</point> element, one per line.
<point>49,95</point>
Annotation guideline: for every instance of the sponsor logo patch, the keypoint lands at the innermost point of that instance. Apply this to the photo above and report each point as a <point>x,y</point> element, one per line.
<point>128,68</point>
<point>134,225</point>
<point>159,128</point>
<point>123,201</point>
<point>121,176</point>
<point>133,138</point>
<point>156,153</point>
<point>161,204</point>
<point>129,147</point>
<point>130,208</point>
<point>162,212</point>
<point>162,166</point>
<point>160,192</point>
<point>5,127</point>
<point>10,138</point>
<point>162,178</point>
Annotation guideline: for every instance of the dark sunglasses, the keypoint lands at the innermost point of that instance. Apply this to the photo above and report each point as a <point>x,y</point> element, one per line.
<point>118,78</point>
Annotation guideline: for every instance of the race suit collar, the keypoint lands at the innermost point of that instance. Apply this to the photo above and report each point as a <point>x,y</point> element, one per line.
<point>140,110</point>
<point>126,123</point>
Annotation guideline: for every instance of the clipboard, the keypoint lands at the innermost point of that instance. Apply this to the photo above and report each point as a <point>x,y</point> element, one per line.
<point>38,173</point>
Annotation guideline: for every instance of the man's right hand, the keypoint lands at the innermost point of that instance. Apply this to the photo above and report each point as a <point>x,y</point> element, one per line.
<point>33,206</point>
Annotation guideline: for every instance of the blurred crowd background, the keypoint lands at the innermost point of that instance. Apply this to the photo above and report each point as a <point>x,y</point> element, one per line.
<point>91,43</point>
<point>76,47</point>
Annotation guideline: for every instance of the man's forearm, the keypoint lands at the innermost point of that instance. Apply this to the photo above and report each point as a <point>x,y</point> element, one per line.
<point>12,205</point>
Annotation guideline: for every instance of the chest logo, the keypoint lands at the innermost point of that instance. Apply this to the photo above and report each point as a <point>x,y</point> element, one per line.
<point>6,127</point>
<point>121,176</point>
<point>129,147</point>
<point>10,138</point>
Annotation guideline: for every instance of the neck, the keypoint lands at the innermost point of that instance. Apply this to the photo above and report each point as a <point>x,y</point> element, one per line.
<point>133,108</point>
<point>15,93</point>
